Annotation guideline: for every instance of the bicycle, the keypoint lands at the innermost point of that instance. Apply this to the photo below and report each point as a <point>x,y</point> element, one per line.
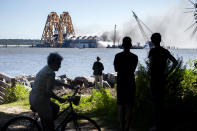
<point>72,121</point>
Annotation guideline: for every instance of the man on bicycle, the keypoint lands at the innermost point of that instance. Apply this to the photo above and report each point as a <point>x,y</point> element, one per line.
<point>42,92</point>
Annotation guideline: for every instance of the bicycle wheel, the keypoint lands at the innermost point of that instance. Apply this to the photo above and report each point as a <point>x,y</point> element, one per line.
<point>80,123</point>
<point>21,123</point>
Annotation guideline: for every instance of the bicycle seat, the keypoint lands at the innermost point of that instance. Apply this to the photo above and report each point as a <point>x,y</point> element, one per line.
<point>33,110</point>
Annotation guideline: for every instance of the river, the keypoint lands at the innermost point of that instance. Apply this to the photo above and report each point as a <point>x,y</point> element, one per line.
<point>76,62</point>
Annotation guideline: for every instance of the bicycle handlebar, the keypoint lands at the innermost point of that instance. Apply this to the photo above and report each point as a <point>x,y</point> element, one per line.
<point>76,90</point>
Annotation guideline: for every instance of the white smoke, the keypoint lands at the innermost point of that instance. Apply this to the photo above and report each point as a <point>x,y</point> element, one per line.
<point>171,25</point>
<point>102,44</point>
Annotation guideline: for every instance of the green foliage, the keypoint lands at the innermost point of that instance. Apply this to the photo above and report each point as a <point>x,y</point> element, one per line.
<point>100,102</point>
<point>189,83</point>
<point>103,101</point>
<point>142,87</point>
<point>180,93</point>
<point>173,87</point>
<point>103,105</point>
<point>18,92</point>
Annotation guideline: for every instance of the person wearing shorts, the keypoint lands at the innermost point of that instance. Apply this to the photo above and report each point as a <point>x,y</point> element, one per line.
<point>125,64</point>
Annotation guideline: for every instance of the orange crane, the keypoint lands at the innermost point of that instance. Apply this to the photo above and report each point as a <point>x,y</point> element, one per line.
<point>55,29</point>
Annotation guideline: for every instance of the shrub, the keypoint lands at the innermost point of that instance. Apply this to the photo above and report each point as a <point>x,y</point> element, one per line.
<point>180,94</point>
<point>103,101</point>
<point>18,92</point>
<point>173,84</point>
<point>142,87</point>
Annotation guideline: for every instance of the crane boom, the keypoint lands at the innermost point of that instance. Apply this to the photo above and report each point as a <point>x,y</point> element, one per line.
<point>140,27</point>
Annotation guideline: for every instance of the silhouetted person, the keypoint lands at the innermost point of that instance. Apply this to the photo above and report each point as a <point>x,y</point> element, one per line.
<point>98,71</point>
<point>125,64</point>
<point>158,57</point>
<point>41,92</point>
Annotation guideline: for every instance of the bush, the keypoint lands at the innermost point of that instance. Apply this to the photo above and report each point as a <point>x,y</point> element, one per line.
<point>18,92</point>
<point>142,87</point>
<point>180,95</point>
<point>102,100</point>
<point>173,85</point>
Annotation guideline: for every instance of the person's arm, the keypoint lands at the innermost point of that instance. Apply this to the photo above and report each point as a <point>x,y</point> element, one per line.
<point>174,64</point>
<point>49,85</point>
<point>102,66</point>
<point>136,62</point>
<point>150,62</point>
<point>93,67</point>
<point>59,83</point>
<point>53,95</point>
<point>115,64</point>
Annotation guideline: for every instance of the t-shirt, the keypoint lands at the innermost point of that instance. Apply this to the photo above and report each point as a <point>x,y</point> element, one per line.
<point>98,68</point>
<point>158,61</point>
<point>125,64</point>
<point>43,85</point>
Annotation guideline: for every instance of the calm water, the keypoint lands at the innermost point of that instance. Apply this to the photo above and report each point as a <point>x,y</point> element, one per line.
<point>77,62</point>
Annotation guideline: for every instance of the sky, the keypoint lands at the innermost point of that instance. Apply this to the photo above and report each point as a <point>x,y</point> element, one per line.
<point>25,19</point>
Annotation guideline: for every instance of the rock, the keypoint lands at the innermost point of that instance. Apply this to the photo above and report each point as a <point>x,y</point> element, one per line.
<point>30,77</point>
<point>63,76</point>
<point>24,81</point>
<point>90,81</point>
<point>106,84</point>
<point>110,78</point>
<point>58,78</point>
<point>64,80</point>
<point>82,81</point>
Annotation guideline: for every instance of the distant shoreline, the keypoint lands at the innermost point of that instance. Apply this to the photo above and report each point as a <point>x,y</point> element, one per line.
<point>19,41</point>
<point>4,43</point>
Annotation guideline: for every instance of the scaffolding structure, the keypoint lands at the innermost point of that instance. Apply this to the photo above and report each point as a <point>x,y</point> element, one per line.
<point>57,29</point>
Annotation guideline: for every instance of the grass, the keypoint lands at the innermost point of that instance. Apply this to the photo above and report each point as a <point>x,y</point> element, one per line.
<point>22,103</point>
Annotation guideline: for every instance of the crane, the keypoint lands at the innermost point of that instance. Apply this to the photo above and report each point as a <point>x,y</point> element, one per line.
<point>140,25</point>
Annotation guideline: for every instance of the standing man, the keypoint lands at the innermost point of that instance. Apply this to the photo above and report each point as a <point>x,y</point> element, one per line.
<point>158,57</point>
<point>41,92</point>
<point>98,71</point>
<point>125,64</point>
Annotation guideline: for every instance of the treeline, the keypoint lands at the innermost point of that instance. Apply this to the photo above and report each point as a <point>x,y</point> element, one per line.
<point>19,42</point>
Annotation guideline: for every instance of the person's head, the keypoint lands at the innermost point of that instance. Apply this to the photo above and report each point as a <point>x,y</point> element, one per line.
<point>54,61</point>
<point>98,58</point>
<point>156,39</point>
<point>126,43</point>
